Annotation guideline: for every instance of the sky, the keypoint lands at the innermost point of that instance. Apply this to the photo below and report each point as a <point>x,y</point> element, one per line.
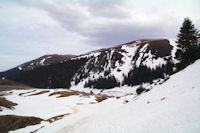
<point>32,28</point>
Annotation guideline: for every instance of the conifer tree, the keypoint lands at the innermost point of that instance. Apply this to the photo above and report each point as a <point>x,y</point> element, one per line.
<point>188,42</point>
<point>188,34</point>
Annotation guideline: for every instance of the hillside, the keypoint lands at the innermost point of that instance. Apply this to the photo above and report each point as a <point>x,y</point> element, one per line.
<point>45,60</point>
<point>130,64</point>
<point>10,85</point>
<point>172,106</point>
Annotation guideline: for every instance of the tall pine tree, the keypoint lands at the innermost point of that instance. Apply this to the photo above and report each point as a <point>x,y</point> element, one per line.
<point>188,42</point>
<point>188,34</point>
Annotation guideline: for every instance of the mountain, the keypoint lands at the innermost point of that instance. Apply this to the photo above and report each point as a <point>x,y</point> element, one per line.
<point>36,63</point>
<point>170,107</point>
<point>43,61</point>
<point>130,64</point>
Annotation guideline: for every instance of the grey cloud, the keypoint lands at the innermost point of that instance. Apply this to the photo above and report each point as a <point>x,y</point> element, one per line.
<point>118,34</point>
<point>106,34</point>
<point>67,16</point>
<point>109,9</point>
<point>101,34</point>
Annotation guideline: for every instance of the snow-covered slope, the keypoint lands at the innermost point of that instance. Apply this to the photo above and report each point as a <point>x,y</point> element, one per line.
<point>170,107</point>
<point>173,107</point>
<point>119,63</point>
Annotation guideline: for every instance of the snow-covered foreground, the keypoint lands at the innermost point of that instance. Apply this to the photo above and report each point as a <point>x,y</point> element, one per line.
<point>172,107</point>
<point>43,105</point>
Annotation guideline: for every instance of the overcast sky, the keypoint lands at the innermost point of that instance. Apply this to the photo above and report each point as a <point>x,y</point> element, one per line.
<point>32,28</point>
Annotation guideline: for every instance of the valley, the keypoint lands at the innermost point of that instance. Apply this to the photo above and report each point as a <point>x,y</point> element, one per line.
<point>76,110</point>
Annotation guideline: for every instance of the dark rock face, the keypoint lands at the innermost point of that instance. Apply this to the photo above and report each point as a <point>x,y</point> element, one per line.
<point>132,63</point>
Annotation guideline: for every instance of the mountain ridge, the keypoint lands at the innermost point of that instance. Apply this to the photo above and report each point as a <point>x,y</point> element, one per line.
<point>105,68</point>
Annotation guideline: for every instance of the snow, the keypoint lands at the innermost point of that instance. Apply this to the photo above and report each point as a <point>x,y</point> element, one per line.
<point>49,57</point>
<point>142,52</point>
<point>43,105</point>
<point>170,107</point>
<point>173,52</point>
<point>42,61</point>
<point>93,54</point>
<point>20,68</point>
<point>127,62</point>
<point>152,63</point>
<point>149,61</point>
<point>125,66</point>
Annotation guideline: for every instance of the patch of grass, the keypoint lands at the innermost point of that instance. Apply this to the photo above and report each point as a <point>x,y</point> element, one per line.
<point>66,88</point>
<point>13,122</point>
<point>39,93</point>
<point>2,94</point>
<point>5,93</point>
<point>20,94</point>
<point>10,82</point>
<point>64,93</point>
<point>6,103</point>
<point>58,117</point>
<point>100,98</point>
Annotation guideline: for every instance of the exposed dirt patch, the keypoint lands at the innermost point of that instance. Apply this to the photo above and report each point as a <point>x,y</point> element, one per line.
<point>5,93</point>
<point>100,98</point>
<point>39,93</point>
<point>21,94</point>
<point>6,103</point>
<point>10,82</point>
<point>13,87</point>
<point>160,48</point>
<point>10,85</point>
<point>58,117</point>
<point>13,122</point>
<point>64,93</point>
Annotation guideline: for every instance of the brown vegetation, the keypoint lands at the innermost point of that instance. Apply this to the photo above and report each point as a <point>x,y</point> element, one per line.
<point>100,98</point>
<point>58,117</point>
<point>10,82</point>
<point>10,85</point>
<point>5,93</point>
<point>13,122</point>
<point>39,93</point>
<point>64,93</point>
<point>6,103</point>
<point>20,94</point>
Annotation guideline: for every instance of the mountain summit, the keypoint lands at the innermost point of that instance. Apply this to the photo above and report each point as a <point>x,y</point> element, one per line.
<point>131,64</point>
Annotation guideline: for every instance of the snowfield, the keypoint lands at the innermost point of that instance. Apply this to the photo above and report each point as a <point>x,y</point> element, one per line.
<point>172,107</point>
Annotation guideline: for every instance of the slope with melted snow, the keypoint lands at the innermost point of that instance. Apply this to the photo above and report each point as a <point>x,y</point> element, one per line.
<point>119,61</point>
<point>172,107</point>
